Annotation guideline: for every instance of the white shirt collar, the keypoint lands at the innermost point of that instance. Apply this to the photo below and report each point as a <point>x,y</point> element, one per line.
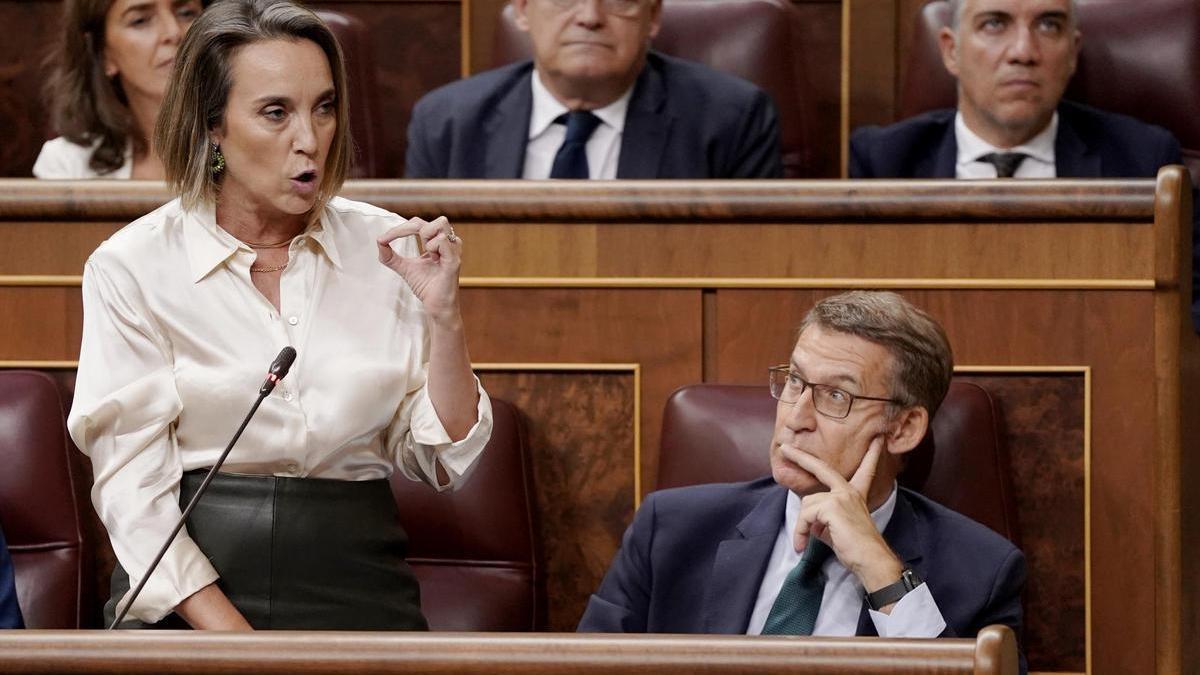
<point>209,245</point>
<point>546,109</point>
<point>880,516</point>
<point>971,147</point>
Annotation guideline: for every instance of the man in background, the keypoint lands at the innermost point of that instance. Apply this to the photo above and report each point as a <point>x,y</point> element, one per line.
<point>595,102</point>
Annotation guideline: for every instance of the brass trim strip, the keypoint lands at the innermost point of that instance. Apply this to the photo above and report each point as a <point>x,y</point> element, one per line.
<point>800,282</point>
<point>40,280</point>
<point>37,365</point>
<point>53,280</point>
<point>634,368</point>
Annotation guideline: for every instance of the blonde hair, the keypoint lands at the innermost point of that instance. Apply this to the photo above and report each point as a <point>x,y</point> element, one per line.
<point>923,362</point>
<point>199,91</point>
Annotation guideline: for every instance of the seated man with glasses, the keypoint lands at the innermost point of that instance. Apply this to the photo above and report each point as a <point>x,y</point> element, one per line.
<point>828,544</point>
<point>595,102</point>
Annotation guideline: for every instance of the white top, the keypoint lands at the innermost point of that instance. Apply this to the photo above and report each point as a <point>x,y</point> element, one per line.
<point>545,137</point>
<point>63,159</point>
<point>1038,164</point>
<point>177,341</point>
<point>915,615</point>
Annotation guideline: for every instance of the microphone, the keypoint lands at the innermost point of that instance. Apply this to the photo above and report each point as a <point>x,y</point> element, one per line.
<point>278,370</point>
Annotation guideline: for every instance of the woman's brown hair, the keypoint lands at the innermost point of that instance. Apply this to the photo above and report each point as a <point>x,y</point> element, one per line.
<point>199,91</point>
<point>88,107</point>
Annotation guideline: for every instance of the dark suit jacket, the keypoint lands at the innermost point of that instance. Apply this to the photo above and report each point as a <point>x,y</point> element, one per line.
<point>694,557</point>
<point>10,613</point>
<point>1091,143</point>
<point>685,120</point>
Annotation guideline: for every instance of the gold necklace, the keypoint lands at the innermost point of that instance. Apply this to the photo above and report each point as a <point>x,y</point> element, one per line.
<point>281,244</point>
<point>268,269</point>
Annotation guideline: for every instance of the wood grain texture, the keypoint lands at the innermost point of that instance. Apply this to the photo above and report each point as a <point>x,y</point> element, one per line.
<point>1132,336</point>
<point>992,653</point>
<point>659,329</point>
<point>580,433</point>
<point>1044,433</point>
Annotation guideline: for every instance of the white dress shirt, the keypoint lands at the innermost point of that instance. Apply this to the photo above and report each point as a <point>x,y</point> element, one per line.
<point>63,159</point>
<point>1039,162</point>
<point>177,340</point>
<point>914,615</point>
<point>545,137</point>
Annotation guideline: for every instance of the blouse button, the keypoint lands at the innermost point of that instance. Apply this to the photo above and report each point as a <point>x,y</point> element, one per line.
<point>287,395</point>
<point>293,320</point>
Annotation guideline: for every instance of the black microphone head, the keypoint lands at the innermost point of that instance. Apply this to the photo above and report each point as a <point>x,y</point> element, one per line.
<point>283,363</point>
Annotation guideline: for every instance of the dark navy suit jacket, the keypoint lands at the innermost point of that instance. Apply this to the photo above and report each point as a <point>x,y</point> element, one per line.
<point>694,557</point>
<point>685,120</point>
<point>10,613</point>
<point>1091,143</point>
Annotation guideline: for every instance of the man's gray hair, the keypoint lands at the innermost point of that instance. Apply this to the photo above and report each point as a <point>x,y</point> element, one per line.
<point>956,9</point>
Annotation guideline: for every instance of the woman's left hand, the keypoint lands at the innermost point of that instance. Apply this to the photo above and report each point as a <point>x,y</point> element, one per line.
<point>432,276</point>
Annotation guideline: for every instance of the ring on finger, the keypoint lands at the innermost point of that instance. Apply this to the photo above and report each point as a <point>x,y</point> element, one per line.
<point>453,238</point>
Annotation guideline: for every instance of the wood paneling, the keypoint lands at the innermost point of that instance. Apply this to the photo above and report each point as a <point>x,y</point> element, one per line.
<point>658,329</point>
<point>1044,433</point>
<point>690,279</point>
<point>30,26</point>
<point>581,436</point>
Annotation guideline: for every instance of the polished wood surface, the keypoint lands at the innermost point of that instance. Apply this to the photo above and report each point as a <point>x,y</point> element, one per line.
<point>692,281</point>
<point>28,652</point>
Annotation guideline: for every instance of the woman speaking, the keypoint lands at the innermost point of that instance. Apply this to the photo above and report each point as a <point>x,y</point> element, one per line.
<point>185,307</point>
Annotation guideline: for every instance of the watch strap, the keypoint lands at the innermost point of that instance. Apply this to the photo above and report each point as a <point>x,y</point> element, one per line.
<point>909,579</point>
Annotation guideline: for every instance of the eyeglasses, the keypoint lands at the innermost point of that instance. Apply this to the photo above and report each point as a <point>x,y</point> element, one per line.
<point>830,401</point>
<point>622,8</point>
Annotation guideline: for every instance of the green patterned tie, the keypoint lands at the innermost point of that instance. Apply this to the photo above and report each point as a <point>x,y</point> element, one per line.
<point>795,610</point>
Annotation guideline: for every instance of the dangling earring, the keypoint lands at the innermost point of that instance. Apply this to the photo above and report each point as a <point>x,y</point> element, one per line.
<point>216,162</point>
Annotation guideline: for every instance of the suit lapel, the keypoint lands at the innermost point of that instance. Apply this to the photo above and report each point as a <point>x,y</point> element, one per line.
<point>1072,156</point>
<point>739,565</point>
<point>647,126</point>
<point>905,536</point>
<point>506,131</point>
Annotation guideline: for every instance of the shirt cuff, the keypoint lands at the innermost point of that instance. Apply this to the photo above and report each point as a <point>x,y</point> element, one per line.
<point>457,457</point>
<point>184,570</point>
<point>916,615</point>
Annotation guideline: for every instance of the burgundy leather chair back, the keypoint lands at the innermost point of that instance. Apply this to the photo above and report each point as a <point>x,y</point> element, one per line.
<point>757,40</point>
<point>355,40</point>
<point>38,509</point>
<point>1137,58</point>
<point>722,433</point>
<point>473,549</point>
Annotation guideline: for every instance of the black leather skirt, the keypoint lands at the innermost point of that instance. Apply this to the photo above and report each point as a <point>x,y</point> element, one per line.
<point>300,553</point>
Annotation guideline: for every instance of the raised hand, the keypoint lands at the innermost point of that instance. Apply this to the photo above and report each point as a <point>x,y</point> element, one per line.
<point>432,276</point>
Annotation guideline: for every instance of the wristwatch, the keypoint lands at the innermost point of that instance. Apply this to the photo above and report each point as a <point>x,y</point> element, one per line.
<point>909,579</point>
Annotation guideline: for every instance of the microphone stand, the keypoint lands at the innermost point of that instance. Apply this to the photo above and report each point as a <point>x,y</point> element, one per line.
<point>278,370</point>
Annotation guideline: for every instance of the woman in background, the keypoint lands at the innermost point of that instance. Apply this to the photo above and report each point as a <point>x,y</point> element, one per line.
<point>110,71</point>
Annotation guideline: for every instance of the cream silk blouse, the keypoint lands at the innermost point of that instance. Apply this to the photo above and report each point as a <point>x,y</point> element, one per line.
<point>177,340</point>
